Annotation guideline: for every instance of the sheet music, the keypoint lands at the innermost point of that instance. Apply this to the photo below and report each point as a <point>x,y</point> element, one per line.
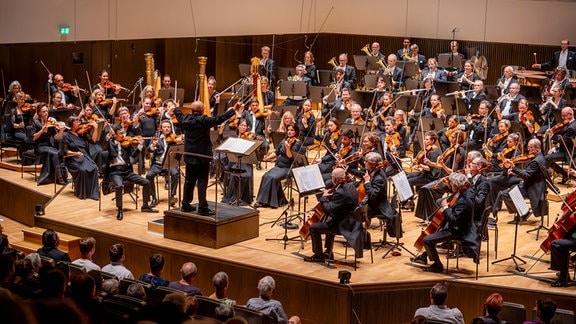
<point>308,178</point>
<point>402,186</point>
<point>518,200</point>
<point>236,145</point>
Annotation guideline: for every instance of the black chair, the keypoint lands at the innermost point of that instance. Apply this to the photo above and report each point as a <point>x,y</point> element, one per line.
<point>47,261</point>
<point>107,275</point>
<point>6,140</point>
<point>116,311</point>
<point>360,215</point>
<point>74,268</point>
<point>513,313</point>
<point>129,300</point>
<point>253,316</point>
<point>207,306</point>
<point>131,189</point>
<point>161,292</point>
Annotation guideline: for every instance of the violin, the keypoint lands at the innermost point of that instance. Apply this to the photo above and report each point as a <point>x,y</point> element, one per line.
<point>334,139</point>
<point>528,120</point>
<point>450,151</point>
<point>106,102</point>
<point>497,139</point>
<point>110,85</point>
<point>449,131</point>
<point>127,141</point>
<point>505,153</point>
<point>476,116</point>
<point>557,127</point>
<point>247,135</point>
<point>393,140</point>
<point>519,159</point>
<point>67,87</point>
<point>28,107</point>
<point>174,139</point>
<point>422,154</point>
<point>84,128</point>
<point>153,112</point>
<point>438,110</point>
<point>173,119</point>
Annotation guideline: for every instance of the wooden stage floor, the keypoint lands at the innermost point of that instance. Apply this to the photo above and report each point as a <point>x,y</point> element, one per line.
<point>261,255</point>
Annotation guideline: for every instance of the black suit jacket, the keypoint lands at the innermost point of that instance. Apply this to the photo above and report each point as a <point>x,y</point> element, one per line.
<point>477,194</point>
<point>350,75</point>
<point>378,203</point>
<point>534,182</point>
<point>553,63</point>
<point>54,253</point>
<point>459,216</point>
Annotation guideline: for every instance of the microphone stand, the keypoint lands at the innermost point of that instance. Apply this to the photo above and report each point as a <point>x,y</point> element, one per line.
<point>133,91</point>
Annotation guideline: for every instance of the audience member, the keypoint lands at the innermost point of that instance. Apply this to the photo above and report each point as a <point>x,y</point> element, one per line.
<point>419,319</point>
<point>224,312</point>
<point>53,284</point>
<point>265,304</point>
<point>220,281</point>
<point>50,242</point>
<point>110,287</point>
<point>6,273</point>
<point>545,310</point>
<point>188,272</point>
<point>83,291</point>
<point>87,249</point>
<point>294,320</point>
<point>492,307</point>
<point>154,276</point>
<point>438,310</point>
<point>23,270</point>
<point>36,262</point>
<point>116,266</point>
<point>136,290</point>
<point>177,299</point>
<point>98,281</point>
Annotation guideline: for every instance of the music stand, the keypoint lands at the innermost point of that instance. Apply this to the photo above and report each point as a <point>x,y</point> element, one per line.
<point>531,93</point>
<point>357,129</point>
<point>284,72</point>
<point>431,124</point>
<point>444,87</point>
<point>454,106</point>
<point>61,114</point>
<point>238,148</point>
<point>403,192</point>
<point>293,89</point>
<point>411,69</point>
<point>244,69</point>
<point>521,211</point>
<point>326,77</point>
<point>409,102</point>
<point>290,108</point>
<point>277,137</point>
<point>317,93</point>
<point>371,80</point>
<point>172,157</point>
<point>411,84</point>
<point>474,104</point>
<point>449,60</point>
<point>341,115</point>
<point>364,62</point>
<point>177,95</point>
<point>491,92</point>
<point>363,98</point>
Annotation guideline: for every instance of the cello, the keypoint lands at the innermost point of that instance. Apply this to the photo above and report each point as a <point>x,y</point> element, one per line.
<point>437,220</point>
<point>318,216</point>
<point>562,226</point>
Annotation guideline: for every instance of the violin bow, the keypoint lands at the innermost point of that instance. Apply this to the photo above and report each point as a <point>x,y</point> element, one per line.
<point>3,83</point>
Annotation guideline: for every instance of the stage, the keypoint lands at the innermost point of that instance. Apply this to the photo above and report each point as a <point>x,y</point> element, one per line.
<point>387,291</point>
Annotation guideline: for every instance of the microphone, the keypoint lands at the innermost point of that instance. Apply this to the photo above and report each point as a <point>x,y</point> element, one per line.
<point>458,92</point>
<point>455,29</point>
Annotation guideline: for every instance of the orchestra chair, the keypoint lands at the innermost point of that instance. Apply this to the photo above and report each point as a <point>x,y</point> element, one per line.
<point>160,292</point>
<point>361,216</point>
<point>512,313</point>
<point>131,189</point>
<point>125,283</point>
<point>6,139</point>
<point>253,316</point>
<point>459,244</point>
<point>541,226</point>
<point>493,227</point>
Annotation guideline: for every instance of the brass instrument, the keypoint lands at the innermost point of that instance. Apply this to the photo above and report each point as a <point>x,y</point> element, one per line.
<point>334,62</point>
<point>366,49</point>
<point>481,67</point>
<point>203,94</point>
<point>408,57</point>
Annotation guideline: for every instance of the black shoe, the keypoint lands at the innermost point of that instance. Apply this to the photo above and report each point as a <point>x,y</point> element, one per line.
<point>187,208</point>
<point>421,259</point>
<point>409,205</point>
<point>119,216</point>
<point>516,219</point>
<point>258,166</point>
<point>173,201</point>
<point>154,202</point>
<point>525,217</point>
<point>447,245</point>
<point>148,209</point>
<point>315,258</point>
<point>205,211</point>
<point>559,283</point>
<point>435,267</point>
<point>328,256</point>
<point>492,222</point>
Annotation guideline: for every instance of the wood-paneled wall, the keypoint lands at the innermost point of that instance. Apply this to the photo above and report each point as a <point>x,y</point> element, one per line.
<point>178,57</point>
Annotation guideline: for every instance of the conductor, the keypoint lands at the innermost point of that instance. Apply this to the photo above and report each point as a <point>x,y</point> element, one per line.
<point>196,127</point>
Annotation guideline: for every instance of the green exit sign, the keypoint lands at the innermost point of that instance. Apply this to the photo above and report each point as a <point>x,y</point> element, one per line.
<point>64,30</point>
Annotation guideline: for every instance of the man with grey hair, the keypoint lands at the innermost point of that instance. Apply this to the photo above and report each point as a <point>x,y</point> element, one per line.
<point>458,212</point>
<point>188,272</point>
<point>136,290</point>
<point>438,311</point>
<point>265,304</point>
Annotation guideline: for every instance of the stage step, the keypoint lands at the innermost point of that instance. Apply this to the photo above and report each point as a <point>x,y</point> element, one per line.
<point>156,226</point>
<point>33,241</point>
<point>14,164</point>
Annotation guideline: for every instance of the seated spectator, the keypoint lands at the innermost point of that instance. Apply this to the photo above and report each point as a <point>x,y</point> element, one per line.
<point>418,319</point>
<point>224,312</point>
<point>265,304</point>
<point>294,320</point>
<point>438,311</point>
<point>154,276</point>
<point>35,261</point>
<point>116,266</point>
<point>492,307</point>
<point>50,242</point>
<point>177,299</point>
<point>98,280</point>
<point>110,287</point>
<point>23,270</point>
<point>87,249</point>
<point>545,310</point>
<point>188,272</point>
<point>137,291</point>
<point>83,291</point>
<point>220,281</point>
<point>53,284</point>
<point>6,273</point>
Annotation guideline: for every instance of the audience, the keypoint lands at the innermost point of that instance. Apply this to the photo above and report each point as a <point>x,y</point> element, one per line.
<point>545,310</point>
<point>110,287</point>
<point>136,290</point>
<point>188,272</point>
<point>98,281</point>
<point>438,310</point>
<point>23,270</point>
<point>50,242</point>
<point>154,276</point>
<point>35,261</point>
<point>220,281</point>
<point>53,284</point>
<point>116,266</point>
<point>294,320</point>
<point>87,249</point>
<point>265,304</point>
<point>224,312</point>
<point>83,291</point>
<point>492,307</point>
<point>6,272</point>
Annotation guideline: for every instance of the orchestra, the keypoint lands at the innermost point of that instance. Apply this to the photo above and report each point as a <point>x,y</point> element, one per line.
<point>519,141</point>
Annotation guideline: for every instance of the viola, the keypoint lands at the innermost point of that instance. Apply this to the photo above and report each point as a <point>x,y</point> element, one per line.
<point>506,153</point>
<point>128,141</point>
<point>422,154</point>
<point>497,139</point>
<point>557,127</point>
<point>174,139</point>
<point>528,120</point>
<point>153,112</point>
<point>393,140</point>
<point>519,159</point>
<point>110,85</point>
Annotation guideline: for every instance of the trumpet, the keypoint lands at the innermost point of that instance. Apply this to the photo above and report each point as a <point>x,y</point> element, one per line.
<point>366,49</point>
<point>333,62</point>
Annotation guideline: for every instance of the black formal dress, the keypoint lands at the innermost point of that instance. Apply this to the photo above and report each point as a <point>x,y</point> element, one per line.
<point>49,150</point>
<point>83,169</point>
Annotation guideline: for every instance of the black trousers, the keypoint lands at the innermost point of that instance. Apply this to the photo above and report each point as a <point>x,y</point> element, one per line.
<point>196,174</point>
<point>119,175</point>
<point>560,252</point>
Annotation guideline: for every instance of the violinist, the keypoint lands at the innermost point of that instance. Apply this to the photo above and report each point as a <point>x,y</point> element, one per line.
<point>169,107</point>
<point>341,157</point>
<point>564,149</point>
<point>497,143</point>
<point>554,103</point>
<point>458,224</point>
<point>146,119</point>
<point>370,142</point>
<point>377,103</point>
<point>270,193</point>
<point>400,126</point>
<point>299,76</point>
<point>89,122</point>
<point>109,89</point>
<point>159,148</point>
<point>355,116</point>
<point>342,102</point>
<point>69,94</point>
<point>533,185</point>
<point>560,80</point>
<point>444,133</point>
<point>127,124</point>
<point>332,133</point>
<point>58,105</point>
<point>18,121</point>
<point>393,147</point>
<point>107,107</point>
<point>307,123</point>
<point>338,204</point>
<point>435,109</point>
<point>478,126</point>
<point>246,178</point>
<point>147,92</point>
<point>78,161</point>
<point>376,188</point>
<point>425,173</point>
<point>385,109</point>
<point>122,156</point>
<point>47,137</point>
<point>257,123</point>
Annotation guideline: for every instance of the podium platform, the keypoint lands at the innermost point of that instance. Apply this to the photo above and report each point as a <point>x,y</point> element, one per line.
<point>234,224</point>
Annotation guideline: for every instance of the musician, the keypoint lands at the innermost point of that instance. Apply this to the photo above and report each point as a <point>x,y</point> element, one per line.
<point>106,107</point>
<point>349,71</point>
<point>560,253</point>
<point>267,64</point>
<point>564,149</point>
<point>376,187</point>
<point>425,173</point>
<point>342,157</point>
<point>339,204</point>
<point>497,142</point>
<point>270,193</point>
<point>128,124</point>
<point>18,121</point>
<point>533,175</point>
<point>504,107</point>
<point>307,123</point>
<point>467,77</point>
<point>562,58</point>
<point>147,92</point>
<point>167,82</point>
<point>332,132</point>
<point>457,211</point>
<point>95,148</point>
<point>385,109</point>
<point>477,93</point>
<point>375,50</point>
<point>370,142</point>
<point>146,123</point>
<point>268,95</point>
<point>558,80</point>
<point>310,68</point>
<point>122,155</point>
<point>405,50</point>
<point>453,71</point>
<point>57,103</point>
<point>502,179</point>
<point>396,74</point>
<point>524,118</point>
<point>300,75</point>
<point>56,84</point>
<point>196,129</point>
<point>435,109</point>
<point>355,116</point>
<point>339,83</point>
<point>78,160</point>
<point>506,80</point>
<point>444,133</point>
<point>344,102</point>
<point>159,148</point>
<point>169,107</point>
<point>414,56</point>
<point>480,186</point>
<point>47,137</point>
<point>393,143</point>
<point>257,124</point>
<point>553,103</point>
<point>106,86</point>
<point>432,71</point>
<point>478,126</point>
<point>246,178</point>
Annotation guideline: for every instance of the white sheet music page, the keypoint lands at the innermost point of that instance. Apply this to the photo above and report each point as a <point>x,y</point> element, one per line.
<point>236,145</point>
<point>402,186</point>
<point>518,200</point>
